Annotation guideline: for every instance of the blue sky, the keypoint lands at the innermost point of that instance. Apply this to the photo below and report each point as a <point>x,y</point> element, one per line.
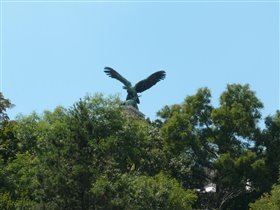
<point>53,53</point>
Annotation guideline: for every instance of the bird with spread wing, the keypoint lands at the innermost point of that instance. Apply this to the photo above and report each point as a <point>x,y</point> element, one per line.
<point>132,97</point>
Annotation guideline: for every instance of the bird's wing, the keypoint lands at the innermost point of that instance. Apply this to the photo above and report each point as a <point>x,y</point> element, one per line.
<point>114,74</point>
<point>150,81</point>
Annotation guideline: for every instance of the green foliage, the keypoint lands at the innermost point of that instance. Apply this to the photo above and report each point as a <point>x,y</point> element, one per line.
<point>268,201</point>
<point>216,145</point>
<point>17,191</point>
<point>236,119</point>
<point>4,105</point>
<point>6,201</point>
<point>142,192</point>
<point>237,173</point>
<point>9,144</point>
<point>185,121</point>
<point>94,156</point>
<point>270,140</point>
<point>188,138</point>
<point>58,157</point>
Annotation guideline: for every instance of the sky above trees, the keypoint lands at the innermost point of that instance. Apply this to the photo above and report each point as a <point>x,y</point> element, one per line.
<point>53,53</point>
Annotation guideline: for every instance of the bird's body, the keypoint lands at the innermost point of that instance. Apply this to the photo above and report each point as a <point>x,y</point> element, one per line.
<point>132,97</point>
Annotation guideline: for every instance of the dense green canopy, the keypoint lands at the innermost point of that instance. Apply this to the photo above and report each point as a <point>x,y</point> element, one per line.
<point>94,155</point>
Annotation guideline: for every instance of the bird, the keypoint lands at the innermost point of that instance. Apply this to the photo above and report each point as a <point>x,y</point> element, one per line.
<point>132,98</point>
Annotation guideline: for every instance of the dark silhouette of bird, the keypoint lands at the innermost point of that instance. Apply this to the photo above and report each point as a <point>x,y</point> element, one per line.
<point>132,97</point>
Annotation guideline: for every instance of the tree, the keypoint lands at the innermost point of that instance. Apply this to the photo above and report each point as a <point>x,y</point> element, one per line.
<point>235,128</point>
<point>132,191</point>
<point>8,143</point>
<point>94,155</point>
<point>269,201</point>
<point>269,143</point>
<point>70,151</point>
<point>62,156</point>
<point>4,105</point>
<point>236,119</point>
<point>20,173</point>
<point>188,138</point>
<point>216,145</point>
<point>238,180</point>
